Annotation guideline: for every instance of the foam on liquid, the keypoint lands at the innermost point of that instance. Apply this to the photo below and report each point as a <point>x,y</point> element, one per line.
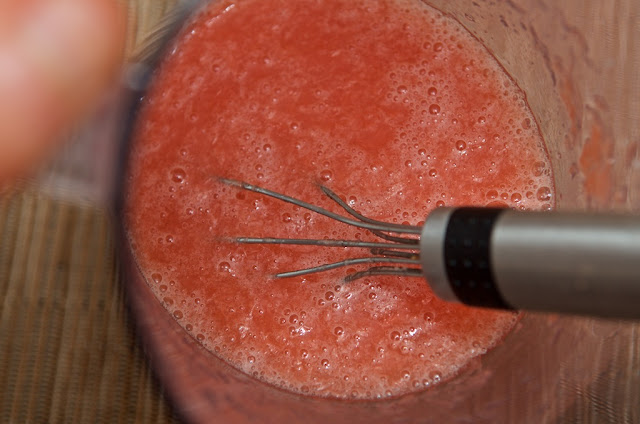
<point>389,103</point>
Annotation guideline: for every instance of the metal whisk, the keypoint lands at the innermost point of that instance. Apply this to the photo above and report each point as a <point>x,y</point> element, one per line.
<point>551,261</point>
<point>403,251</point>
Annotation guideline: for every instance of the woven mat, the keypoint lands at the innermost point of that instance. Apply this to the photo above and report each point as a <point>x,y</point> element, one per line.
<point>68,353</point>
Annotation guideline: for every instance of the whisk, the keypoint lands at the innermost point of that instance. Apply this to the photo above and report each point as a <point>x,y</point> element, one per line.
<point>566,262</point>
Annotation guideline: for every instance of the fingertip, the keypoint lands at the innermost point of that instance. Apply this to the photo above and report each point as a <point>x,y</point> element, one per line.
<point>54,66</point>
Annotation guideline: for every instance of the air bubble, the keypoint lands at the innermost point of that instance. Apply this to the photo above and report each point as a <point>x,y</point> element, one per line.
<point>326,175</point>
<point>432,91</point>
<point>461,145</point>
<point>435,376</point>
<point>178,314</point>
<point>543,194</point>
<point>516,197</point>
<point>434,109</point>
<point>437,47</point>
<point>156,277</point>
<point>433,172</point>
<point>286,217</point>
<point>338,331</point>
<point>178,175</point>
<point>402,89</point>
<point>224,267</point>
<point>329,295</point>
<point>395,336</point>
<point>325,364</point>
<point>492,194</point>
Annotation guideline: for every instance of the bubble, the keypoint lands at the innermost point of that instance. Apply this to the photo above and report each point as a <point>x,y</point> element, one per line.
<point>163,288</point>
<point>168,301</point>
<point>224,267</point>
<point>326,175</point>
<point>492,194</point>
<point>434,109</point>
<point>408,164</point>
<point>178,175</point>
<point>543,194</point>
<point>293,319</point>
<point>395,336</point>
<point>402,89</point>
<point>188,327</point>
<point>251,359</point>
<point>372,295</point>
<point>435,376</point>
<point>437,47</point>
<point>338,331</point>
<point>422,152</point>
<point>200,337</point>
<point>433,172</point>
<point>286,217</point>
<point>325,364</point>
<point>526,123</point>
<point>428,316</point>
<point>177,314</point>
<point>439,204</point>
<point>539,168</point>
<point>156,277</point>
<point>304,354</point>
<point>329,295</point>
<point>461,145</point>
<point>406,375</point>
<point>432,91</point>
<point>516,197</point>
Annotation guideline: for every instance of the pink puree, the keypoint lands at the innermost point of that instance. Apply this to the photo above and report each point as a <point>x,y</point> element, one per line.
<point>389,103</point>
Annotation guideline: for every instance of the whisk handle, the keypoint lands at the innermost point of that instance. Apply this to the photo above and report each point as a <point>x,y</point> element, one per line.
<point>563,262</point>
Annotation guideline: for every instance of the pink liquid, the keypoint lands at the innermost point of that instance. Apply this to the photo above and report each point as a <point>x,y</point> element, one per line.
<point>390,104</point>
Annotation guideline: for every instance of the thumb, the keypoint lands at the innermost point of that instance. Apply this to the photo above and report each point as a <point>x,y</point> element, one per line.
<point>56,58</point>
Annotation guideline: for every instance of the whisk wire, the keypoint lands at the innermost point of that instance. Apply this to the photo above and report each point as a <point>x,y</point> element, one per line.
<point>402,250</point>
<point>408,229</point>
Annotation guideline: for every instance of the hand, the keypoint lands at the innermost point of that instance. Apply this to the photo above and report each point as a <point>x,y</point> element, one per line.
<point>56,58</point>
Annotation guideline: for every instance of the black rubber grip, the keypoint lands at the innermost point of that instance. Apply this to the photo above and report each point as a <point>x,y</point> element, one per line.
<point>467,257</point>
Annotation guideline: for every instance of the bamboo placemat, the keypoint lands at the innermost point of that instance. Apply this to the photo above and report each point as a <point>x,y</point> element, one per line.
<point>68,350</point>
<point>68,353</point>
